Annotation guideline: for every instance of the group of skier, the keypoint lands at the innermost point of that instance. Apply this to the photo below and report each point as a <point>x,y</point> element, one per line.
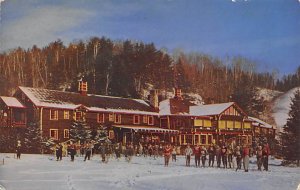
<point>226,156</point>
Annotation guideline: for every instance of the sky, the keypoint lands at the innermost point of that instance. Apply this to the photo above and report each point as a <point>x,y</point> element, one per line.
<point>265,31</point>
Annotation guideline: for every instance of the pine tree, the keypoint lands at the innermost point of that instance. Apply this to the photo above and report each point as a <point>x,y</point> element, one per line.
<point>291,132</point>
<point>33,138</point>
<point>80,131</point>
<point>103,136</point>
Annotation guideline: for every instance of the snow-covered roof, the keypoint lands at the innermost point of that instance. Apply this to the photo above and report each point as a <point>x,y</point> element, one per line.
<point>95,109</point>
<point>210,109</point>
<point>258,122</point>
<point>71,100</point>
<point>147,129</point>
<point>12,102</point>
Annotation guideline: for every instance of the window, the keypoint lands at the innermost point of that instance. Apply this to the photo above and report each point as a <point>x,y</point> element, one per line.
<point>189,139</point>
<point>196,139</point>
<point>117,118</point>
<point>222,124</point>
<point>53,114</point>
<point>54,134</point>
<point>145,119</point>
<point>66,114</point>
<point>100,117</point>
<point>203,139</point>
<point>111,117</point>
<point>136,119</point>
<point>66,133</point>
<point>209,139</point>
<point>78,115</point>
<point>150,120</point>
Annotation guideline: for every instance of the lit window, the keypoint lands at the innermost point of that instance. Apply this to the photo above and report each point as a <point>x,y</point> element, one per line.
<point>66,114</point>
<point>145,119</point>
<point>53,114</point>
<point>136,119</point>
<point>54,134</point>
<point>150,120</point>
<point>100,117</point>
<point>66,133</point>
<point>111,117</point>
<point>117,118</point>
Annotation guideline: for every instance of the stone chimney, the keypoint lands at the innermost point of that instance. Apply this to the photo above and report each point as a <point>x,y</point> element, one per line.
<point>154,98</point>
<point>82,87</point>
<point>177,93</point>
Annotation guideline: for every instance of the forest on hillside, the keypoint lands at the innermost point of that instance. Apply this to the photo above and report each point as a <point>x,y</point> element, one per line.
<point>125,68</point>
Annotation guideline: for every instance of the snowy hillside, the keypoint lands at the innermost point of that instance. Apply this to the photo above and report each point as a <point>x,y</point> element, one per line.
<point>267,94</point>
<point>42,172</point>
<point>281,107</point>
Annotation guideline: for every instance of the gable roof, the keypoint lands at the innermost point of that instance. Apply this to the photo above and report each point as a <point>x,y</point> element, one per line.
<point>12,102</point>
<point>71,100</point>
<point>210,109</point>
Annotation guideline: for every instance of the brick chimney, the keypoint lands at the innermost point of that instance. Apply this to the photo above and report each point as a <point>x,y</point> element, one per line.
<point>154,98</point>
<point>82,87</point>
<point>177,93</point>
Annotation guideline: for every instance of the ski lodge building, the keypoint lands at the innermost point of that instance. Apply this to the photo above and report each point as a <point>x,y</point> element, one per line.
<point>173,120</point>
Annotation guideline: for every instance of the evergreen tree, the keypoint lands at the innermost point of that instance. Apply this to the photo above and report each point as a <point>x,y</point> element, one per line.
<point>33,138</point>
<point>291,132</point>
<point>80,131</point>
<point>103,136</point>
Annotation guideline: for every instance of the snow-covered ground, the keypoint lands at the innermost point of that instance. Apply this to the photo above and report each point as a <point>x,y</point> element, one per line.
<point>42,172</point>
<point>282,107</point>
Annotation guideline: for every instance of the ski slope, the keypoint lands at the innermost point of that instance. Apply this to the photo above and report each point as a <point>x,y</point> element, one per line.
<point>281,108</point>
<point>42,172</point>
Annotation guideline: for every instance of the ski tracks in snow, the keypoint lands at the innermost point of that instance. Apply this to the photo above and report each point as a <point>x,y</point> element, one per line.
<point>70,183</point>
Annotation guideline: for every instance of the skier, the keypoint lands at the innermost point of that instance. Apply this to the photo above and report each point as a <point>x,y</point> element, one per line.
<point>211,155</point>
<point>155,149</point>
<point>203,155</point>
<point>167,153</point>
<point>58,152</point>
<point>88,151</point>
<point>103,152</point>
<point>174,154</point>
<point>246,153</point>
<point>188,153</point>
<point>238,156</point>
<point>218,155</point>
<point>72,150</point>
<point>224,156</point>
<point>18,150</point>
<point>265,153</point>
<point>259,157</point>
<point>117,151</point>
<point>229,157</point>
<point>197,152</point>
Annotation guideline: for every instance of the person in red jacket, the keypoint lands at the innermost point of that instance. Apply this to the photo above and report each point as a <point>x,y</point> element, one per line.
<point>197,152</point>
<point>265,154</point>
<point>246,151</point>
<point>167,154</point>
